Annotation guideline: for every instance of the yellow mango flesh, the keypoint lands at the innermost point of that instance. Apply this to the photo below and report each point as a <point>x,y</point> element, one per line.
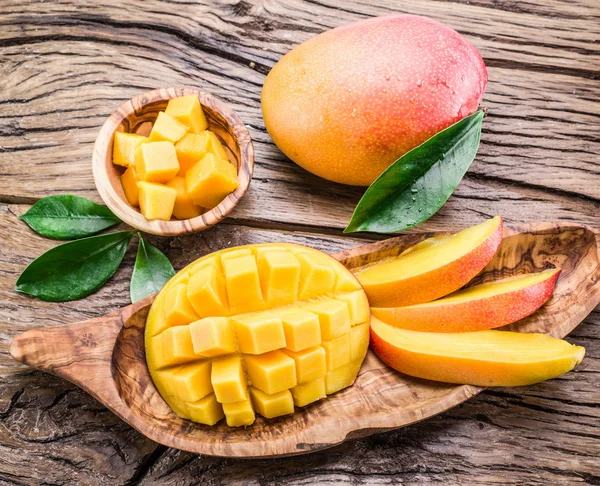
<point>156,162</point>
<point>124,147</point>
<point>184,206</point>
<point>229,335</point>
<point>187,110</point>
<point>482,358</point>
<point>167,129</point>
<point>129,182</point>
<point>156,200</point>
<point>190,149</point>
<point>210,180</point>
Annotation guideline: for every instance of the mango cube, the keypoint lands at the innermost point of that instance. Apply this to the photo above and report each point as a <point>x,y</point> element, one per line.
<point>129,182</point>
<point>337,351</point>
<point>358,306</point>
<point>167,129</point>
<point>301,328</point>
<point>229,335</point>
<point>214,146</point>
<point>177,346</point>
<point>210,180</point>
<point>206,292</point>
<point>239,413</point>
<point>188,110</point>
<point>334,317</point>
<point>271,372</point>
<point>346,282</point>
<point>190,149</point>
<point>228,380</point>
<point>359,341</point>
<point>273,405</point>
<point>191,382</point>
<point>184,207</point>
<point>178,311</point>
<point>124,147</point>
<point>342,377</point>
<point>279,276</point>
<point>156,200</point>
<point>241,277</point>
<point>213,336</point>
<point>259,332</point>
<point>309,392</point>
<point>310,363</point>
<point>156,162</point>
<point>206,410</point>
<point>318,276</point>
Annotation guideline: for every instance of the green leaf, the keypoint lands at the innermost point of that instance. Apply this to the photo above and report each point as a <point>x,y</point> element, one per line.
<point>151,272</point>
<point>66,217</point>
<point>420,182</point>
<point>76,269</point>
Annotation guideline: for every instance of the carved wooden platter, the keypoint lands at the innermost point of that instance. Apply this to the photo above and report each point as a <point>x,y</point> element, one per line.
<point>105,357</point>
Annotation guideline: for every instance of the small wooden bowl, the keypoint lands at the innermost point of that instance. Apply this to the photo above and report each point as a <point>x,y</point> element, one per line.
<point>137,116</point>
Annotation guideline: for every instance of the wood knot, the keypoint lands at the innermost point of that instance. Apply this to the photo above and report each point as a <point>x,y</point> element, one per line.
<point>88,340</point>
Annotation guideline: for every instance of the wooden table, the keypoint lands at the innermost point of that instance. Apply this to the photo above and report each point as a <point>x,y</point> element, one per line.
<point>66,65</point>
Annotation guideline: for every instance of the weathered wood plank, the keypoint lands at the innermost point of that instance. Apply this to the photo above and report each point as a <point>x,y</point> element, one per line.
<point>541,132</point>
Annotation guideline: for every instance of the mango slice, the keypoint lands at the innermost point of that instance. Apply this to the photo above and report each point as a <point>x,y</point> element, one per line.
<point>156,200</point>
<point>486,306</point>
<point>124,147</point>
<point>433,268</point>
<point>167,129</point>
<point>239,332</point>
<point>482,358</point>
<point>187,110</point>
<point>156,162</point>
<point>210,180</point>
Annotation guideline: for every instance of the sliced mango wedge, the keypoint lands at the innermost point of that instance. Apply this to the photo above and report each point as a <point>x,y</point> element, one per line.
<point>483,358</point>
<point>484,306</point>
<point>433,268</point>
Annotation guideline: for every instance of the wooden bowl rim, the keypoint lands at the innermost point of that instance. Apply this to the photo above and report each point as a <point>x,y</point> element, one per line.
<point>133,217</point>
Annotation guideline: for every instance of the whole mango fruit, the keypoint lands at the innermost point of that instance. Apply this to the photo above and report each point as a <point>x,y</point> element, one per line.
<point>347,103</point>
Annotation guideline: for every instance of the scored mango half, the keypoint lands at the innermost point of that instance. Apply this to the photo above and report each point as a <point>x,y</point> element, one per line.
<point>256,329</point>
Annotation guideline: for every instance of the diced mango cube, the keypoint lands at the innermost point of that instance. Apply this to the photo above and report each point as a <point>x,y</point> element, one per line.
<point>167,129</point>
<point>188,110</point>
<point>179,407</point>
<point>156,200</point>
<point>274,405</point>
<point>176,346</point>
<point>359,341</point>
<point>241,277</point>
<point>317,275</point>
<point>279,276</point>
<point>177,310</point>
<point>346,282</point>
<point>206,292</point>
<point>129,182</point>
<point>190,149</point>
<point>301,327</point>
<point>337,351</point>
<point>191,382</point>
<point>184,206</point>
<point>334,317</point>
<point>342,377</point>
<point>228,379</point>
<point>271,372</point>
<point>259,332</point>
<point>213,336</point>
<point>358,305</point>
<point>238,252</point>
<point>124,147</point>
<point>310,363</point>
<point>210,180</point>
<point>309,392</point>
<point>206,410</point>
<point>239,413</point>
<point>214,146</point>
<point>156,162</point>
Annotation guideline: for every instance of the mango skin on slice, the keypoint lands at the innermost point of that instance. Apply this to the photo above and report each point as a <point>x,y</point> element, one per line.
<point>481,358</point>
<point>256,329</point>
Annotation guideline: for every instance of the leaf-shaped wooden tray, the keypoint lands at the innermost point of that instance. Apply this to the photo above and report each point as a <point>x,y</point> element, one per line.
<point>105,357</point>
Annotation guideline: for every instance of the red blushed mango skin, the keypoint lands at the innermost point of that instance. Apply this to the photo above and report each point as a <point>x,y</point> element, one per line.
<point>347,103</point>
<point>471,315</point>
<point>438,282</point>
